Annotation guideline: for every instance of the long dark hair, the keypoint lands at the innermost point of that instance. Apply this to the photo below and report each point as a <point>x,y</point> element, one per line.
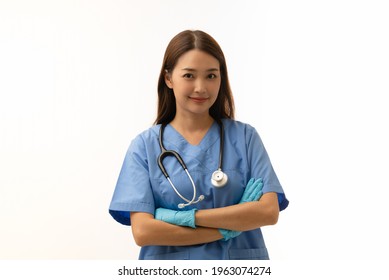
<point>185,41</point>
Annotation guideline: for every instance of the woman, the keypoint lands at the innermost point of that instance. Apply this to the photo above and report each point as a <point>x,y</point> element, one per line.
<point>180,215</point>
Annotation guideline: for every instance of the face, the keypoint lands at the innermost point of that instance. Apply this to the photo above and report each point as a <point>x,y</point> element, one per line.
<point>195,81</point>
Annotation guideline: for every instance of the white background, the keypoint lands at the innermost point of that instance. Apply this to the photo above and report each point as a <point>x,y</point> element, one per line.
<point>78,82</point>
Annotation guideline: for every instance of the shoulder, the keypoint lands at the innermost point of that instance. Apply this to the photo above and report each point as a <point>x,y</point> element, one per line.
<point>237,129</point>
<point>149,133</point>
<point>145,138</point>
<point>234,126</point>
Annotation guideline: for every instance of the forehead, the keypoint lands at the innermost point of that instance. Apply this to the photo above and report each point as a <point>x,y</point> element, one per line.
<point>197,60</point>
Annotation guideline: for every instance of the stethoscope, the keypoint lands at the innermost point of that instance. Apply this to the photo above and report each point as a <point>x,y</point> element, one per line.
<point>218,179</point>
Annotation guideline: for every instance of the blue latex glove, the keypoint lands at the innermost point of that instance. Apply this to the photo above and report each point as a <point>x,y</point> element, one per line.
<point>228,234</point>
<point>252,192</point>
<point>179,218</point>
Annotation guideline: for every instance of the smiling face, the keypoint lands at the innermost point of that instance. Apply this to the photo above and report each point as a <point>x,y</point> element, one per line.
<point>195,81</point>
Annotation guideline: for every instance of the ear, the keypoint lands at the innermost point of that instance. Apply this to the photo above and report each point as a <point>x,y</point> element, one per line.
<point>168,79</point>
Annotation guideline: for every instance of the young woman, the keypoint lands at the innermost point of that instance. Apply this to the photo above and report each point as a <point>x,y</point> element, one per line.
<point>197,184</point>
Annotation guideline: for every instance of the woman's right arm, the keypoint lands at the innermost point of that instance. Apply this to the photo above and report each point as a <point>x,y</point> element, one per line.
<point>149,231</point>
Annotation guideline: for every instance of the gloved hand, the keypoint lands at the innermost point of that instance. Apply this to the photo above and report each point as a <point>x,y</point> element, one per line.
<point>179,218</point>
<point>228,234</point>
<point>252,192</point>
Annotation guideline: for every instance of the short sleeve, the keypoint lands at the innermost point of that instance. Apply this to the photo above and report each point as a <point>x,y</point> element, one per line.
<point>133,191</point>
<point>261,167</point>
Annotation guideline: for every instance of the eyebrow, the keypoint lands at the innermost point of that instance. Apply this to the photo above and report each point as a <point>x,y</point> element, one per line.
<point>194,70</point>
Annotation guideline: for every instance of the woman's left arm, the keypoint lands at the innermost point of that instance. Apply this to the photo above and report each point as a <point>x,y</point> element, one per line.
<point>241,217</point>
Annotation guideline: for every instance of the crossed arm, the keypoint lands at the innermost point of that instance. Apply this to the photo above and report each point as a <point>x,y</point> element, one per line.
<point>240,217</point>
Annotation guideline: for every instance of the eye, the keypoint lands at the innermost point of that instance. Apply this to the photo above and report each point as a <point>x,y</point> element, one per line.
<point>188,76</point>
<point>212,76</point>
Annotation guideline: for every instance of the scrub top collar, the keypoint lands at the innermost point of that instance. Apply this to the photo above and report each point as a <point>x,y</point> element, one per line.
<point>176,141</point>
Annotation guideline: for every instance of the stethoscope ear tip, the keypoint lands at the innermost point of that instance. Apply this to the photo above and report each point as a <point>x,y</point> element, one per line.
<point>183,205</point>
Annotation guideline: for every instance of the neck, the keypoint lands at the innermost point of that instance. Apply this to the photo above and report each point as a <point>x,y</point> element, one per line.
<point>192,124</point>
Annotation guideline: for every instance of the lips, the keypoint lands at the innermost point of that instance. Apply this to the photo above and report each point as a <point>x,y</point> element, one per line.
<point>198,99</point>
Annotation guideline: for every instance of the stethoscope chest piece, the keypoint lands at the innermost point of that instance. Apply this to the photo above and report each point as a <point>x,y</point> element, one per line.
<point>219,178</point>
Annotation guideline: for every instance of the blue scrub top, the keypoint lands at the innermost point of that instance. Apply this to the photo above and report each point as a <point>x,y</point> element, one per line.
<point>142,187</point>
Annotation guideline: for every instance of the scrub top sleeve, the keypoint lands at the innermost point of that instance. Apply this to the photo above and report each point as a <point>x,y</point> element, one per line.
<point>133,191</point>
<point>261,167</point>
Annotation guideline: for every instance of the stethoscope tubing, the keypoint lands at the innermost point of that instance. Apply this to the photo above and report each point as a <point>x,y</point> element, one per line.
<point>165,153</point>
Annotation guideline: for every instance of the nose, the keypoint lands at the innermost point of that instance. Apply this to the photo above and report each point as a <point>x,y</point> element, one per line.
<point>200,86</point>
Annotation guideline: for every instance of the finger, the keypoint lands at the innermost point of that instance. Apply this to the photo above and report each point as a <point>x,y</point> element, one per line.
<point>250,186</point>
<point>257,190</point>
<point>253,195</point>
<point>258,196</point>
<point>247,191</point>
<point>260,183</point>
<point>252,192</point>
<point>250,183</point>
